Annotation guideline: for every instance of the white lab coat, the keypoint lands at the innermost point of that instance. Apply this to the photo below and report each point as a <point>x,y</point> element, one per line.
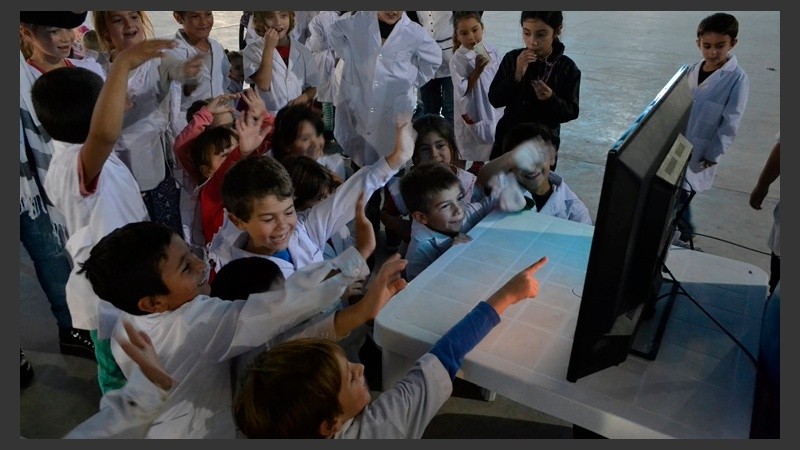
<point>717,109</point>
<point>314,226</point>
<point>144,144</point>
<point>563,202</point>
<point>474,140</point>
<point>379,82</point>
<point>439,24</point>
<point>287,82</point>
<point>319,43</point>
<point>210,83</point>
<point>196,342</point>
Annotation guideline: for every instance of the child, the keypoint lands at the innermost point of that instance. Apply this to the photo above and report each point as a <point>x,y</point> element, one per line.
<point>536,83</point>
<point>387,58</point>
<point>42,228</point>
<point>437,94</point>
<point>49,48</point>
<point>528,154</point>
<point>307,389</point>
<point>435,143</point>
<point>86,181</point>
<point>258,196</point>
<point>472,68</point>
<point>299,130</point>
<point>283,69</point>
<point>235,81</point>
<point>440,217</point>
<point>151,277</point>
<point>720,89</point>
<point>194,41</point>
<point>213,153</point>
<point>144,143</point>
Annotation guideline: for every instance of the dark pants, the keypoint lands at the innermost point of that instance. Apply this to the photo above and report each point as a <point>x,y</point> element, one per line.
<point>163,204</point>
<point>774,271</point>
<point>437,98</point>
<point>684,223</point>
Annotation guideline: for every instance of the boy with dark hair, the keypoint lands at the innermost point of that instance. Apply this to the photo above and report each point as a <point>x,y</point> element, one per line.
<point>87,182</point>
<point>258,196</point>
<point>720,88</point>
<point>440,218</point>
<point>155,281</point>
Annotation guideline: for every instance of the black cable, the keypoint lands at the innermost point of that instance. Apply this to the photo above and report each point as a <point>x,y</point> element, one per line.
<point>733,338</point>
<point>732,243</point>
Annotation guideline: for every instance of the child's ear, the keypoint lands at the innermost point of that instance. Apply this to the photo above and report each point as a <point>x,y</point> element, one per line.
<point>239,223</point>
<point>733,42</point>
<point>150,304</point>
<point>330,427</point>
<point>420,217</point>
<point>178,18</point>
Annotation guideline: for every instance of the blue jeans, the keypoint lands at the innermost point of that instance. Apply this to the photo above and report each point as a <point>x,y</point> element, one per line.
<point>51,262</point>
<point>437,97</point>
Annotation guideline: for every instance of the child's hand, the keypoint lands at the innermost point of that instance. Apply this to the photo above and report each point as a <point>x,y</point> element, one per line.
<point>136,55</point>
<point>521,286</point>
<point>255,105</point>
<point>140,349</point>
<point>364,233</point>
<point>270,40</point>
<point>387,282</point>
<point>403,143</point>
<point>541,89</point>
<point>461,238</point>
<point>191,67</point>
<point>222,104</point>
<point>248,129</point>
<point>524,58</point>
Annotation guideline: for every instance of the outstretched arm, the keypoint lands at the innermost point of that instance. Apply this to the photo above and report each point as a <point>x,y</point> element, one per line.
<point>770,173</point>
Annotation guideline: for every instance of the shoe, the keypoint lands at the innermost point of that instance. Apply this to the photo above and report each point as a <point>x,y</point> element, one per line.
<point>25,370</point>
<point>76,342</point>
<point>688,245</point>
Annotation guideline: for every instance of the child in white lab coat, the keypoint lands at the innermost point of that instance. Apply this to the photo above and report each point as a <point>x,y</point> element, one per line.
<point>155,280</point>
<point>194,40</point>
<point>472,69</point>
<point>145,142</point>
<point>319,42</point>
<point>283,69</point>
<point>720,89</point>
<point>387,57</point>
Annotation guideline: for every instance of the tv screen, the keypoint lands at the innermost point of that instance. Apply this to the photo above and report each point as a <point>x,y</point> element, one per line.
<point>634,225</point>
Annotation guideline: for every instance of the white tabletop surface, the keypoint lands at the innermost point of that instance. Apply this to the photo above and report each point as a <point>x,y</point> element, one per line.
<point>699,386</point>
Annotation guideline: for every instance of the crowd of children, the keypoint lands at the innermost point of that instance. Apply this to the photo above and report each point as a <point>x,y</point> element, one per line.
<point>220,246</point>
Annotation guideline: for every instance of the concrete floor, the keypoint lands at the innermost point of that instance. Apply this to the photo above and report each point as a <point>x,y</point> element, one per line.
<point>625,59</point>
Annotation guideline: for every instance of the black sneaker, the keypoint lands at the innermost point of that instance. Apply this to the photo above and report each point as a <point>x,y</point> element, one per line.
<point>76,342</point>
<point>25,370</point>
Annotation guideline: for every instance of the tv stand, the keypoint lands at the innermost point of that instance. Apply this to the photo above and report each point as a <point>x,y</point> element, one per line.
<point>655,313</point>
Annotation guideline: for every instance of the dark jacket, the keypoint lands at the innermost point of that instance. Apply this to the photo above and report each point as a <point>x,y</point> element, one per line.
<point>521,102</point>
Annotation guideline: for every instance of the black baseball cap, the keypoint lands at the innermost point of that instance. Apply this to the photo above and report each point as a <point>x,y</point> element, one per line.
<point>60,19</point>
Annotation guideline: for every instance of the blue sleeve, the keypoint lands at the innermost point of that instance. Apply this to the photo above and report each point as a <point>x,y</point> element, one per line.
<point>464,336</point>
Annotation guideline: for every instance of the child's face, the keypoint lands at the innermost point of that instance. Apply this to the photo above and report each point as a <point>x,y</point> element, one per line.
<point>389,17</point>
<point>354,395</point>
<point>49,42</point>
<point>469,32</point>
<point>125,28</point>
<point>280,22</point>
<point>196,24</point>
<point>715,47</point>
<point>433,147</point>
<point>184,274</point>
<point>534,179</point>
<point>538,36</point>
<point>308,142</point>
<point>445,214</point>
<point>271,224</point>
<point>218,158</point>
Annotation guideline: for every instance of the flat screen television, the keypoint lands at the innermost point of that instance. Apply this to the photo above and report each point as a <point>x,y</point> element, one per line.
<point>633,229</point>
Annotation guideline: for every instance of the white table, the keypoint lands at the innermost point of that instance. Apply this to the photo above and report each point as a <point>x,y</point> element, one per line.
<point>699,386</point>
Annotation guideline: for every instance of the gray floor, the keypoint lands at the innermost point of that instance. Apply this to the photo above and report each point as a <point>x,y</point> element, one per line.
<point>625,59</point>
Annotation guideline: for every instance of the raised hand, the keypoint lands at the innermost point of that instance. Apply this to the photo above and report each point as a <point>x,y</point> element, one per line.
<point>524,58</point>
<point>403,143</point>
<point>387,282</point>
<point>271,38</point>
<point>140,349</point>
<point>250,133</point>
<point>222,104</point>
<point>255,105</point>
<point>135,55</point>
